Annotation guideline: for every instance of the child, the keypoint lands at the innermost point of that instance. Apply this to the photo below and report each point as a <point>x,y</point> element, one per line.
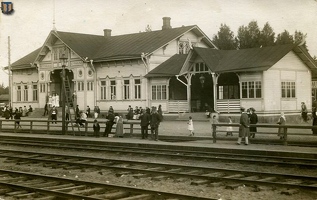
<point>191,126</point>
<point>229,128</point>
<point>96,128</point>
<point>214,121</point>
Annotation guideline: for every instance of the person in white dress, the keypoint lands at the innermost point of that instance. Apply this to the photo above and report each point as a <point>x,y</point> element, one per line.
<point>190,126</point>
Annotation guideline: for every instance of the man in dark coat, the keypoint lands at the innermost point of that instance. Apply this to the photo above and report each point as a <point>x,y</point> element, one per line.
<point>253,120</point>
<point>109,123</point>
<point>154,123</point>
<point>244,127</point>
<point>145,121</point>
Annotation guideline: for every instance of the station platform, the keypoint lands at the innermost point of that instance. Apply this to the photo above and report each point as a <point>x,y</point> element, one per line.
<point>207,144</point>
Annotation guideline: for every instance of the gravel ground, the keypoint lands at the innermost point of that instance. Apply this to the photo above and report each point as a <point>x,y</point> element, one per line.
<point>182,185</point>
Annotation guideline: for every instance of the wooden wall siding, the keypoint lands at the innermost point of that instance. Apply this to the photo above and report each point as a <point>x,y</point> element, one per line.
<point>177,106</point>
<point>289,68</point>
<point>228,106</point>
<point>257,104</point>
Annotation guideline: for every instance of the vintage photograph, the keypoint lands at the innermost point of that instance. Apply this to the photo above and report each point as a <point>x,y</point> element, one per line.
<point>158,100</point>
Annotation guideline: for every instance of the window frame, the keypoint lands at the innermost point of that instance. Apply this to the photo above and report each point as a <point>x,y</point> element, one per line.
<point>251,89</point>
<point>288,89</point>
<point>159,92</point>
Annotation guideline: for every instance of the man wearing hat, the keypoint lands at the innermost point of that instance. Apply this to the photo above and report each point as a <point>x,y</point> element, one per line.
<point>154,123</point>
<point>244,127</point>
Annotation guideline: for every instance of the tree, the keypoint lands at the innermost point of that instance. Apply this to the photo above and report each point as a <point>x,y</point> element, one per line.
<point>248,36</point>
<point>3,89</point>
<point>267,36</point>
<point>300,38</point>
<point>224,39</point>
<point>284,38</point>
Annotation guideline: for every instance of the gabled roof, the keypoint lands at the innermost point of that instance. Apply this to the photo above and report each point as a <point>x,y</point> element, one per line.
<point>170,67</point>
<point>133,45</point>
<point>85,45</point>
<point>253,59</point>
<point>26,61</point>
<point>128,46</point>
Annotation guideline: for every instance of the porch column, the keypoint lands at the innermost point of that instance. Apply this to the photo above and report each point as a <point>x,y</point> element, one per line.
<point>189,82</point>
<point>214,83</point>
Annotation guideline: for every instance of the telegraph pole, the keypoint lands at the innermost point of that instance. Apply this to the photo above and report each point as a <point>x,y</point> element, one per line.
<point>10,73</point>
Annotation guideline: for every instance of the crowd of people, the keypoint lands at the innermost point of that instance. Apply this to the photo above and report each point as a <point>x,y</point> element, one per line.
<point>9,113</point>
<point>150,119</point>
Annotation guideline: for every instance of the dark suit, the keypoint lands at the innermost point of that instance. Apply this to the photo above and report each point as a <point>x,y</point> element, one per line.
<point>154,123</point>
<point>145,121</point>
<point>109,124</point>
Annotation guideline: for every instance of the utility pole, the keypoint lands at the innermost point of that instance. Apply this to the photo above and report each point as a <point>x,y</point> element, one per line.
<point>63,59</point>
<point>10,73</point>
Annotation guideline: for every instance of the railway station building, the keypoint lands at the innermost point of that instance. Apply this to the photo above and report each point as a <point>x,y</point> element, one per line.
<point>178,68</point>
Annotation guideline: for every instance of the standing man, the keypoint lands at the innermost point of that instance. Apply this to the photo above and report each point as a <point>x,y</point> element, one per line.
<point>154,123</point>
<point>244,127</point>
<point>77,112</point>
<point>45,109</point>
<point>145,121</point>
<point>109,123</point>
<point>304,112</point>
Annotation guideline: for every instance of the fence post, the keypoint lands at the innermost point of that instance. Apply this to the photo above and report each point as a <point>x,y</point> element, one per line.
<point>214,127</point>
<point>0,126</point>
<point>31,126</point>
<point>86,128</point>
<point>131,129</point>
<point>48,126</point>
<point>15,126</point>
<point>285,136</point>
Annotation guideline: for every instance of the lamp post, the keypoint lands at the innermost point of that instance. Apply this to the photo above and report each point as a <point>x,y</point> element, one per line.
<point>63,58</point>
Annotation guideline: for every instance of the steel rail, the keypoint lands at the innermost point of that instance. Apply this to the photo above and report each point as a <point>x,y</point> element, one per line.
<point>22,185</point>
<point>207,173</point>
<point>261,159</point>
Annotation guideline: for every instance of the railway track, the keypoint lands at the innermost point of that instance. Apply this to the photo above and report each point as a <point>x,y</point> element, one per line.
<point>21,185</point>
<point>137,169</point>
<point>255,158</point>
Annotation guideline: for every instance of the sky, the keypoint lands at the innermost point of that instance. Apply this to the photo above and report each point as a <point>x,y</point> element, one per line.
<point>32,20</point>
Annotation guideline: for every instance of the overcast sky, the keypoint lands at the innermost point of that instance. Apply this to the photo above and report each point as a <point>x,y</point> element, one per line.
<point>32,20</point>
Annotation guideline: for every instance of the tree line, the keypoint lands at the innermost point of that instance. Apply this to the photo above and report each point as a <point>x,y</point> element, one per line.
<point>3,89</point>
<point>251,36</point>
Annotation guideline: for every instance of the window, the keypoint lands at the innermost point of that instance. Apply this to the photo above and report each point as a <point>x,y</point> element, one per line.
<point>251,89</point>
<point>126,89</point>
<point>80,86</point>
<point>19,93</point>
<point>25,93</point>
<point>103,89</point>
<point>90,86</point>
<point>57,52</point>
<point>158,92</point>
<point>288,89</point>
<point>113,92</point>
<point>42,87</point>
<point>137,89</point>
<point>35,96</point>
<point>200,67</point>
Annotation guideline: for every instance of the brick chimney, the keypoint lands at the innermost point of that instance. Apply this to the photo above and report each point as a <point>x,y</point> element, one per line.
<point>166,23</point>
<point>107,32</point>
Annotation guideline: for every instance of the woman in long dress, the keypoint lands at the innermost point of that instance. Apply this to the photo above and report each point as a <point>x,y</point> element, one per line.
<point>281,121</point>
<point>119,127</point>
